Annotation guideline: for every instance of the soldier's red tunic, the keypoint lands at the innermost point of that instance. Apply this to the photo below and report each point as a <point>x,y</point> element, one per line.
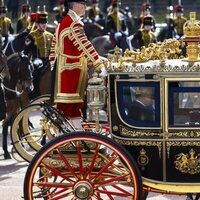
<point>72,50</point>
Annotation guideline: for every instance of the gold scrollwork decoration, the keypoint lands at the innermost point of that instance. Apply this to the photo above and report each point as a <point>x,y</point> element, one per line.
<point>188,163</point>
<point>140,143</point>
<point>187,133</point>
<point>133,133</point>
<point>180,144</point>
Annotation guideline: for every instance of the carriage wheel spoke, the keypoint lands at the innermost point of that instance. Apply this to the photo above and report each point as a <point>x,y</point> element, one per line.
<point>61,196</point>
<point>98,196</point>
<point>110,197</point>
<point>58,173</point>
<point>80,157</point>
<point>119,194</point>
<point>111,180</point>
<point>93,160</point>
<point>105,168</point>
<point>67,164</point>
<point>52,185</point>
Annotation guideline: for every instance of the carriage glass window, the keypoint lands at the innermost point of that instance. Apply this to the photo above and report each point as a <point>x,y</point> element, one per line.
<point>139,103</point>
<point>184,104</point>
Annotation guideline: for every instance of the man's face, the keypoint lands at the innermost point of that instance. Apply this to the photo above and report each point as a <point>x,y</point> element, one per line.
<point>26,14</point>
<point>79,8</point>
<point>147,27</point>
<point>3,15</point>
<point>42,27</point>
<point>179,14</point>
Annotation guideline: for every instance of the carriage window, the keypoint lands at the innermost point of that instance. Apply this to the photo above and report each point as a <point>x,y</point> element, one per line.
<point>139,104</point>
<point>184,104</point>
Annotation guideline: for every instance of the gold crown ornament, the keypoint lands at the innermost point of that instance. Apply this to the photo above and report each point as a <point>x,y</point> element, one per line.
<point>192,27</point>
<point>191,30</point>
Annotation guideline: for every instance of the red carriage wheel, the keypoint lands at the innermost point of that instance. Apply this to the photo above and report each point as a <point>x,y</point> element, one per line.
<point>82,166</point>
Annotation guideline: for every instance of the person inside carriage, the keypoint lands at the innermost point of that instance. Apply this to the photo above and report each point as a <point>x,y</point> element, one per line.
<point>116,25</point>
<point>179,20</point>
<point>37,47</point>
<point>71,55</point>
<point>143,108</point>
<point>144,36</point>
<point>23,21</point>
<point>6,26</point>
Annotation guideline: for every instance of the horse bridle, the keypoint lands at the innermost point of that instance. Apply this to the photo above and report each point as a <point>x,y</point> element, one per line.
<point>9,89</point>
<point>1,75</point>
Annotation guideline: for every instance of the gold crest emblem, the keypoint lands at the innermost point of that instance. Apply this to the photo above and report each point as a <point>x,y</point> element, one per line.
<point>188,163</point>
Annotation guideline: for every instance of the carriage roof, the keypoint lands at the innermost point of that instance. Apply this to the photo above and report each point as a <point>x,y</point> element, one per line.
<point>168,56</point>
<point>157,58</point>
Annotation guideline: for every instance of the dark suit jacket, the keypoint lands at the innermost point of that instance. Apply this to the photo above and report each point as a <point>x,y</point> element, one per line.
<point>139,112</point>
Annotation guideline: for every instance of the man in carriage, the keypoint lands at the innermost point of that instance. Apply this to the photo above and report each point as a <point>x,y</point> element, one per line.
<point>73,53</point>
<point>24,20</point>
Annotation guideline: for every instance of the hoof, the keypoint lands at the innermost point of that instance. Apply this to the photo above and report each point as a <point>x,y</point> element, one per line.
<point>7,156</point>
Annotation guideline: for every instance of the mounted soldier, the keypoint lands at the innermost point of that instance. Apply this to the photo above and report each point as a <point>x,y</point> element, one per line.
<point>6,27</point>
<point>37,46</point>
<point>116,24</point>
<point>94,12</point>
<point>59,10</point>
<point>17,44</point>
<point>24,20</point>
<point>179,20</point>
<point>144,36</point>
<point>146,11</point>
<point>169,31</point>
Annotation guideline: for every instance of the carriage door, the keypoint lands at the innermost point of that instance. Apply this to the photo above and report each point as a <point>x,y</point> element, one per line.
<point>182,128</point>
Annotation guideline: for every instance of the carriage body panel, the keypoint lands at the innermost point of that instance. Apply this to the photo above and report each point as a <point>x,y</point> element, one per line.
<point>166,142</point>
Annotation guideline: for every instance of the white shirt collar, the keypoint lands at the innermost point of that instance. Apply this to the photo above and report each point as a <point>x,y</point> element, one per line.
<point>75,16</point>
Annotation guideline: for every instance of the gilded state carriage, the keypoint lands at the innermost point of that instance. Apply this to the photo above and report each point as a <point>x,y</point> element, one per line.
<point>151,141</point>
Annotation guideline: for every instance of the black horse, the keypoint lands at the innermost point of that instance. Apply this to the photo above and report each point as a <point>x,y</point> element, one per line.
<point>93,29</point>
<point>20,70</point>
<point>167,32</point>
<point>17,44</point>
<point>4,73</point>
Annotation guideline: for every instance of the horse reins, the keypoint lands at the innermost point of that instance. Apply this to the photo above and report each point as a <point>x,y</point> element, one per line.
<point>1,76</point>
<point>11,90</point>
<point>14,91</point>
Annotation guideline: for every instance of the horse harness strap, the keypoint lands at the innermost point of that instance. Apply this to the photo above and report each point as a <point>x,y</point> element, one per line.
<point>10,56</point>
<point>11,90</point>
<point>1,76</point>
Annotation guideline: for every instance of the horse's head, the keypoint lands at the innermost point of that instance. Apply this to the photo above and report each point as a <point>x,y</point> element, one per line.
<point>25,72</point>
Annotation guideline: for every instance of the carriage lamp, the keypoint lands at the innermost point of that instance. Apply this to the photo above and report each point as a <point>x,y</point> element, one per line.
<point>96,96</point>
